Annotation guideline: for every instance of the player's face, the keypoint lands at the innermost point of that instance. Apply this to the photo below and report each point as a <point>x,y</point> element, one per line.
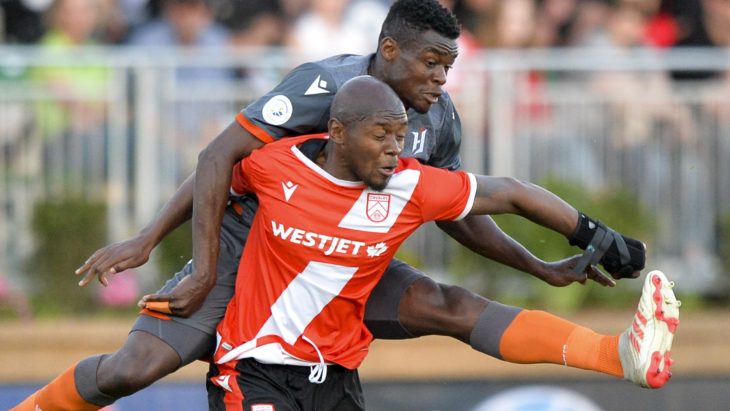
<point>373,148</point>
<point>419,71</point>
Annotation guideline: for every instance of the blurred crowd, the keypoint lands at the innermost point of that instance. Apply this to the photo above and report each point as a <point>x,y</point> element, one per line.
<point>323,27</point>
<point>74,114</point>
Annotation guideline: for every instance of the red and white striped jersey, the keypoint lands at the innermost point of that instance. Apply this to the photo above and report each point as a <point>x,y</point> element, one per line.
<point>317,247</point>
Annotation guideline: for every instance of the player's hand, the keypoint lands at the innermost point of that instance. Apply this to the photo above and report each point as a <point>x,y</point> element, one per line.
<point>561,273</point>
<point>115,258</point>
<point>612,262</point>
<point>183,300</point>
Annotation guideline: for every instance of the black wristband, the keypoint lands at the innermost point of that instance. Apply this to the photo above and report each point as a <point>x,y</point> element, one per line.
<point>620,255</point>
<point>585,231</point>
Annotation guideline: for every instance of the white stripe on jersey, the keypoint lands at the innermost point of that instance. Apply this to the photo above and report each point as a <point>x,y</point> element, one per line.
<point>400,187</point>
<point>305,297</point>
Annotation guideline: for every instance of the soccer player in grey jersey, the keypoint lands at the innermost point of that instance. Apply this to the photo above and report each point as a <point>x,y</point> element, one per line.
<point>417,47</point>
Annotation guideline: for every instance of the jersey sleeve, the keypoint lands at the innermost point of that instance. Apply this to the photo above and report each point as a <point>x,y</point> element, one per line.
<point>239,182</point>
<point>299,105</point>
<point>245,174</point>
<point>447,154</point>
<point>447,195</point>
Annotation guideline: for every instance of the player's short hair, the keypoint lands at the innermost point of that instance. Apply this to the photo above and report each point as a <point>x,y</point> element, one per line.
<point>407,19</point>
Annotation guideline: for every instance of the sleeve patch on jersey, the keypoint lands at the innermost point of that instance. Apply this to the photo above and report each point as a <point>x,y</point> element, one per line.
<point>278,110</point>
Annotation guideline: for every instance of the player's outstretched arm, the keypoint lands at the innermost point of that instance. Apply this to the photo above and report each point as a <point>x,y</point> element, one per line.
<point>622,256</point>
<point>210,194</point>
<point>482,235</point>
<point>134,252</point>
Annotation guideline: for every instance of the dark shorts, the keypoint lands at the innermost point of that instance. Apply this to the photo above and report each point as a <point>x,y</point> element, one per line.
<point>381,313</point>
<point>267,387</point>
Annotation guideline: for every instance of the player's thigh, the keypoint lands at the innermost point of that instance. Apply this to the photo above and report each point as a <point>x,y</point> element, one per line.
<point>142,360</point>
<point>431,308</point>
<point>382,315</point>
<point>194,336</point>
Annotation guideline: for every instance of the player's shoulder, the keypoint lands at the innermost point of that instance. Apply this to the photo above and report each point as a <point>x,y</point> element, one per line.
<point>287,143</point>
<point>408,163</point>
<point>334,71</point>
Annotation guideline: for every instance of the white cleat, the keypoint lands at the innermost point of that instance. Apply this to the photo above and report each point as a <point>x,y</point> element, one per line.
<point>645,347</point>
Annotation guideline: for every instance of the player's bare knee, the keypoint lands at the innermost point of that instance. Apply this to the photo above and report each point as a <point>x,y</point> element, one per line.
<point>135,367</point>
<point>461,306</point>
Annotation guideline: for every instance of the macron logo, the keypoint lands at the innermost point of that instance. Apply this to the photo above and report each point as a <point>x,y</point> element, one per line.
<point>223,382</point>
<point>289,189</point>
<point>317,87</point>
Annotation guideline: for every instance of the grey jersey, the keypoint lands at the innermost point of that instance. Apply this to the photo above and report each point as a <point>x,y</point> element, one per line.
<point>300,105</point>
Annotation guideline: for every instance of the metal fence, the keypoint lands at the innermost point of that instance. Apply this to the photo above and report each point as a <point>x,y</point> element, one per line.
<point>124,126</point>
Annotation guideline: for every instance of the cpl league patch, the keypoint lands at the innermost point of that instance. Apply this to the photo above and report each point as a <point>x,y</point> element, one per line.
<point>277,110</point>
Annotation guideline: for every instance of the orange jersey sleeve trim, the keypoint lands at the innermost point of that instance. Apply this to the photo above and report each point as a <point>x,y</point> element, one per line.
<point>252,128</point>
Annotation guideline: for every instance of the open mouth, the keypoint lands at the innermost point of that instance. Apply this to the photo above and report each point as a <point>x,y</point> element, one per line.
<point>432,98</point>
<point>387,171</point>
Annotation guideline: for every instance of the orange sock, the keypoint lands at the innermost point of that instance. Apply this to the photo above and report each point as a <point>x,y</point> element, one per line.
<point>536,337</point>
<point>59,395</point>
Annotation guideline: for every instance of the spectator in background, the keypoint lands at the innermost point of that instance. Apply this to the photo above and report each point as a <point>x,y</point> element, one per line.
<point>331,27</point>
<point>514,25</point>
<point>72,118</point>
<point>254,23</point>
<point>555,22</point>
<point>121,17</point>
<point>590,21</point>
<point>571,23</point>
<point>627,90</point>
<point>21,21</point>
<point>715,20</point>
<point>190,24</point>
<point>649,130</point>
<point>185,23</point>
<point>476,16</point>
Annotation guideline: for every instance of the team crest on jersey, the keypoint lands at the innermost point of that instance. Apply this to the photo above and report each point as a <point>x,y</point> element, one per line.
<point>378,206</point>
<point>277,110</point>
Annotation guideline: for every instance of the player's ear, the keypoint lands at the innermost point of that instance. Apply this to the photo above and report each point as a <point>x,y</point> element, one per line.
<point>336,130</point>
<point>389,48</point>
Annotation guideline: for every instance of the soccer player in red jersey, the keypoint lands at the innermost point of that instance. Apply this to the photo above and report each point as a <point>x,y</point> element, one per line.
<point>332,212</point>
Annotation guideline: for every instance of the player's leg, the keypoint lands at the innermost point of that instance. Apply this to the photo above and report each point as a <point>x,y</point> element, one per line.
<point>406,304</point>
<point>641,353</point>
<point>157,345</point>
